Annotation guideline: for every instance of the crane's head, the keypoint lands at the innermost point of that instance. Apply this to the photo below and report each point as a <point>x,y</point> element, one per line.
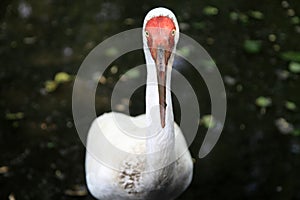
<point>160,33</point>
<point>160,36</point>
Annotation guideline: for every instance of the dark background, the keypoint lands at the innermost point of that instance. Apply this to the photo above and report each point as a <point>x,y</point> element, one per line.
<point>258,154</point>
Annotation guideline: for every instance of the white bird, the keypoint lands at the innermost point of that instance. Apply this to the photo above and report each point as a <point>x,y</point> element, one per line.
<point>158,166</point>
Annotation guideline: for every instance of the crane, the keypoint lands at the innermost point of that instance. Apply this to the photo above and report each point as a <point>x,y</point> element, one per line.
<point>155,167</point>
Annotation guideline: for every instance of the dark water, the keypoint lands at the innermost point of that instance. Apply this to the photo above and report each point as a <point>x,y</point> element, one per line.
<point>41,154</point>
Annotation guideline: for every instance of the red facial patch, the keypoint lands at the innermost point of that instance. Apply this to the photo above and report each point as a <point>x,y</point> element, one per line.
<point>160,35</point>
<point>161,22</point>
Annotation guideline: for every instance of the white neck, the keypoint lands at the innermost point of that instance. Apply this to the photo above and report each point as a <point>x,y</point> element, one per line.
<point>161,140</point>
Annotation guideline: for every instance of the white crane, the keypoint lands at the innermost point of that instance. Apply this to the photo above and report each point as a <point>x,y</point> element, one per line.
<point>160,165</point>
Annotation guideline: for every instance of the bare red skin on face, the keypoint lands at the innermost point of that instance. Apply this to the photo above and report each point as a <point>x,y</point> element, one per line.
<point>161,22</point>
<point>160,35</point>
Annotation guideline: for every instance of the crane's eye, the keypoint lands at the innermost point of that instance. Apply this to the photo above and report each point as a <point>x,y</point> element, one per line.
<point>173,32</point>
<point>147,33</point>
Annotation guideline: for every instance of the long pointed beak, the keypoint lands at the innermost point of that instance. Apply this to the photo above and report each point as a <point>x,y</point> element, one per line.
<point>161,77</point>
